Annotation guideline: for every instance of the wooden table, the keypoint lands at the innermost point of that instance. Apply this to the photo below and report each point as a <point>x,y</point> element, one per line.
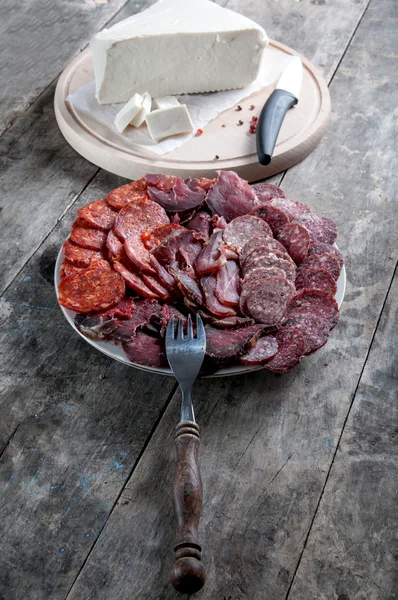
<point>300,471</point>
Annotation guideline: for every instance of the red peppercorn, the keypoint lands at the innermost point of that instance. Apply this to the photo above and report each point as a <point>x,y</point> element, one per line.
<point>199,132</point>
<point>238,107</point>
<point>223,125</point>
<point>252,107</point>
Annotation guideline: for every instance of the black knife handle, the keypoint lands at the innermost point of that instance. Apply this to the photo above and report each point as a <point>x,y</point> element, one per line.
<point>270,122</point>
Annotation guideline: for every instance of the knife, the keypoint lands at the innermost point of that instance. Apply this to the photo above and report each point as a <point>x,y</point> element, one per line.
<point>284,96</point>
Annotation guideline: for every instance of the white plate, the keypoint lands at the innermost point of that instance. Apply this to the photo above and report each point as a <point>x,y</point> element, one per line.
<point>117,353</point>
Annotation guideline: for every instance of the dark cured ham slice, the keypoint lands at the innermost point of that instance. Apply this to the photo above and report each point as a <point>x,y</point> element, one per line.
<point>154,237</point>
<point>98,214</point>
<point>211,258</point>
<point>291,348</point>
<point>228,284</point>
<point>190,288</point>
<point>146,350</point>
<point>230,196</point>
<point>316,303</point>
<point>200,222</point>
<point>144,312</point>
<point>119,197</point>
<point>163,275</point>
<point>93,290</point>
<point>134,281</point>
<point>230,343</point>
<point>209,284</point>
<point>99,326</point>
<point>153,284</point>
<point>296,240</point>
<point>274,216</point>
<point>267,300</point>
<point>242,229</point>
<point>173,194</point>
<point>84,235</point>
<point>264,349</point>
<point>202,182</point>
<point>232,322</point>
<point>78,256</point>
<point>218,222</point>
<point>267,191</point>
<point>191,243</point>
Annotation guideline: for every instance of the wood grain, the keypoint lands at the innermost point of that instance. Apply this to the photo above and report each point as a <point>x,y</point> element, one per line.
<point>269,441</point>
<point>353,548</point>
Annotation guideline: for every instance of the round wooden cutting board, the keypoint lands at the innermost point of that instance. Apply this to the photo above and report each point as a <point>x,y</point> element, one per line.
<point>301,131</point>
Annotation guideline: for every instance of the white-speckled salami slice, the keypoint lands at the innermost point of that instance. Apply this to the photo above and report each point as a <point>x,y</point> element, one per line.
<point>296,240</point>
<point>242,229</point>
<point>252,278</point>
<point>314,330</point>
<point>319,304</point>
<point>291,348</point>
<point>292,208</point>
<point>266,191</point>
<point>274,216</point>
<point>321,229</point>
<point>264,349</point>
<point>322,261</point>
<point>316,279</point>
<point>267,300</point>
<point>271,259</point>
<point>322,248</point>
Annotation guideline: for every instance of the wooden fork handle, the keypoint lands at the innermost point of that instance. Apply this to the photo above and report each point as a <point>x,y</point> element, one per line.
<point>187,574</point>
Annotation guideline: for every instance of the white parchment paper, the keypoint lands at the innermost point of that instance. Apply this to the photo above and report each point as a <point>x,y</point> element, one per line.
<point>202,107</point>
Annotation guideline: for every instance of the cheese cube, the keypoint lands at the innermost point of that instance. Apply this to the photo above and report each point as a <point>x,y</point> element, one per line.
<point>163,123</point>
<point>128,112</point>
<point>164,102</point>
<point>144,110</point>
<point>175,47</point>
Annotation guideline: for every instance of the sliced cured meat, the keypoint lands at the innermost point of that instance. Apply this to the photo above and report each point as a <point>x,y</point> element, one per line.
<point>200,222</point>
<point>211,258</point>
<point>253,244</point>
<point>267,191</point>
<point>267,300</point>
<point>321,229</point>
<point>145,311</point>
<point>321,248</point>
<point>163,275</point>
<point>228,284</point>
<point>146,350</point>
<point>274,216</point>
<point>114,246</point>
<point>167,312</point>
<point>264,349</point>
<point>173,194</point>
<point>296,240</point>
<point>252,278</point>
<point>232,322</point>
<point>187,241</point>
<point>291,348</point>
<point>320,305</point>
<point>266,251</point>
<point>153,284</point>
<point>294,209</point>
<point>84,235</point>
<point>230,196</point>
<point>190,288</point>
<point>68,268</point>
<point>138,254</point>
<point>322,261</point>
<point>119,197</point>
<point>99,326</point>
<point>272,260</point>
<point>242,229</point>
<point>98,214</point>
<point>134,281</point>
<point>78,256</point>
<point>154,237</point>
<point>185,215</point>
<point>209,284</point>
<point>218,222</point>
<point>316,279</point>
<point>93,290</point>
<point>230,253</point>
<point>314,330</point>
<point>201,182</point>
<point>230,343</point>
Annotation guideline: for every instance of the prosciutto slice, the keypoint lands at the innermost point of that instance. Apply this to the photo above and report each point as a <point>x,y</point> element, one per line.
<point>230,196</point>
<point>212,257</point>
<point>173,194</point>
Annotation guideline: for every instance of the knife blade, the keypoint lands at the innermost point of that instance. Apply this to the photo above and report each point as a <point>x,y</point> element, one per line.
<point>285,95</point>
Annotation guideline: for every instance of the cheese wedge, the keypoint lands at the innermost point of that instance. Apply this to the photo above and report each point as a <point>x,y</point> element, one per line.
<point>128,112</point>
<point>164,102</point>
<point>144,110</point>
<point>165,122</point>
<point>174,47</point>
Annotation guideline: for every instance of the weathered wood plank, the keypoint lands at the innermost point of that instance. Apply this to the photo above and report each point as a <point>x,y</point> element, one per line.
<point>352,549</point>
<point>269,440</point>
<point>75,420</point>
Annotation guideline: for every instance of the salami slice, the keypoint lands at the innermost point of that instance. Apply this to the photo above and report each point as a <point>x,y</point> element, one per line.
<point>93,290</point>
<point>232,322</point>
<point>226,344</point>
<point>267,241</point>
<point>274,216</point>
<point>320,305</point>
<point>323,261</point>
<point>114,246</point>
<point>321,229</point>
<point>228,284</point>
<point>139,216</point>
<point>153,284</point>
<point>242,229</point>
<point>82,234</point>
<point>134,281</point>
<point>294,209</point>
<point>316,279</point>
<point>98,214</point>
<point>119,197</point>
<point>291,348</point>
<point>78,256</point>
<point>268,300</point>
<point>154,237</point>
<point>296,240</point>
<point>264,349</point>
<point>321,248</point>
<point>68,268</point>
<point>252,278</point>
<point>271,259</point>
<point>267,191</point>
<point>266,251</point>
<point>209,284</point>
<point>315,331</point>
<point>146,350</point>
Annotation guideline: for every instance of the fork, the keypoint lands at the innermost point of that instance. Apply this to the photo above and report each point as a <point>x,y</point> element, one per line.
<point>185,356</point>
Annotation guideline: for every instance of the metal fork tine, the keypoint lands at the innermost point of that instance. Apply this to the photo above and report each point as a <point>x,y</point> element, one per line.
<point>200,330</point>
<point>189,328</point>
<point>170,330</point>
<point>180,331</point>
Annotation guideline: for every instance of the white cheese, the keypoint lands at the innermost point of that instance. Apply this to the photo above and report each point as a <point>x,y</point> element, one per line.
<point>144,110</point>
<point>163,123</point>
<point>174,47</point>
<point>128,112</point>
<point>164,102</point>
